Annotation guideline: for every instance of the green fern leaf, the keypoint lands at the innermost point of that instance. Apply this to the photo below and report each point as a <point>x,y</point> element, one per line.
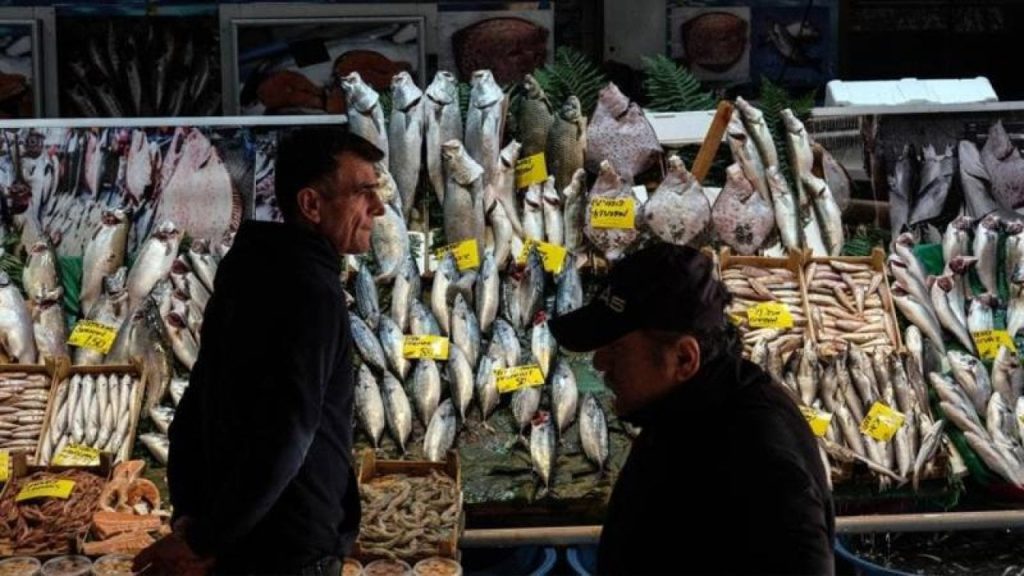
<point>671,88</point>
<point>571,74</point>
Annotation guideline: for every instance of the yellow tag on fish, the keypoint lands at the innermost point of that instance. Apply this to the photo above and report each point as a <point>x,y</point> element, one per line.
<point>77,455</point>
<point>818,419</point>
<point>619,213</point>
<point>531,170</point>
<point>553,255</point>
<point>467,254</point>
<point>882,422</point>
<point>92,334</point>
<point>426,346</point>
<point>770,315</point>
<point>989,341</point>
<point>46,489</point>
<point>516,377</point>
<point>5,465</point>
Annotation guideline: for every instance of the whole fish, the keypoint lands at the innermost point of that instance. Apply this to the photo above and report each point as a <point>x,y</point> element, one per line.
<point>365,117</point>
<point>505,343</point>
<point>486,386</point>
<point>746,156</point>
<point>554,226</point>
<point>534,117</point>
<point>542,447</point>
<point>936,179</point>
<point>443,124</point>
<point>930,442</point>
<point>185,280</point>
<point>111,309</point>
<point>488,293</point>
<point>834,174</point>
<point>594,431</point>
<point>161,417</point>
<point>575,202</point>
<point>956,240</point>
<point>975,183</point>
<point>830,218</point>
<point>40,273</point>
<point>801,156</point>
<point>369,405</point>
<point>904,249</point>
<point>569,295</point>
<point>447,274</point>
<point>525,403</point>
<point>183,343</point>
<point>678,211</point>
<point>1004,166</point>
<point>958,268</point>
<point>426,389</point>
<point>397,411</point>
<point>485,121</point>
<point>203,262</point>
<point>367,344</point>
<point>991,457</point>
<point>1018,415</point>
<point>999,418</point>
<point>405,288</point>
<point>48,326</point>
<point>786,213</point>
<point>920,315</point>
<point>1014,263</point>
<point>986,249</point>
<point>465,330</point>
<point>1007,375</point>
<point>757,128</point>
<point>980,318</point>
<point>390,243</point>
<point>405,137</point>
<point>567,142</point>
<point>506,241</point>
<point>533,211</point>
<point>463,196</point>
<point>504,186</point>
<point>531,289</point>
<point>564,395</point>
<point>103,255</point>
<point>17,342</point>
<point>153,262</point>
<point>158,445</point>
<point>940,291</point>
<point>613,242</point>
<point>391,340</point>
<point>970,373</point>
<point>543,346</point>
<point>620,133</point>
<point>742,219</point>
<point>440,434</point>
<point>178,387</point>
<point>421,321</point>
<point>460,377</point>
<point>367,303</point>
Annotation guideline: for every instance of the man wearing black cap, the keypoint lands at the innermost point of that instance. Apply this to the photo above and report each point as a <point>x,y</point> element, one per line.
<point>725,460</point>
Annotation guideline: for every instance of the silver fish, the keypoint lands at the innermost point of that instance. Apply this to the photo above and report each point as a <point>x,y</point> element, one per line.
<point>397,410</point>
<point>463,196</point>
<point>465,330</point>
<point>40,273</point>
<point>830,218</point>
<point>111,309</point>
<point>48,327</point>
<point>554,226</point>
<point>440,434</point>
<point>161,417</point>
<point>531,289</point>
<point>564,395</point>
<point>970,373</point>
<point>956,240</point>
<point>443,123</point>
<point>801,162</point>
<point>594,431</point>
<point>426,389</point>
<point>567,142</point>
<point>367,303</point>
<point>103,255</point>
<point>986,249</point>
<point>421,321</point>
<point>787,215</point>
<point>992,458</point>
<point>404,289</point>
<point>930,442</point>
<point>158,445</point>
<point>405,137</point>
<point>678,211</point>
<point>487,292</point>
<point>904,452</point>
<point>485,121</point>
<point>1007,375</point>
<point>503,188</point>
<point>184,345</point>
<point>391,340</point>
<point>575,202</point>
<point>1018,415</point>
<point>153,262</point>
<point>543,345</point>
<point>505,238</point>
<point>920,315</point>
<point>390,243</point>
<point>525,403</point>
<point>940,290</point>
<point>998,418</point>
<point>182,278</point>
<point>178,387</point>
<point>901,184</point>
<point>611,241</point>
<point>542,447</point>
<point>569,295</point>
<point>505,343</point>
<point>533,212</point>
<point>447,274</point>
<point>486,386</point>
<point>958,267</point>
<point>535,117</point>
<point>203,262</point>
<point>460,376</point>
<point>367,344</point>
<point>980,316</point>
<point>369,405</point>
<point>1014,249</point>
<point>757,128</point>
<point>365,117</point>
<point>745,154</point>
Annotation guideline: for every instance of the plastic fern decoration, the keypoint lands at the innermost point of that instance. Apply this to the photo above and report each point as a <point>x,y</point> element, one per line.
<point>572,73</point>
<point>672,88</point>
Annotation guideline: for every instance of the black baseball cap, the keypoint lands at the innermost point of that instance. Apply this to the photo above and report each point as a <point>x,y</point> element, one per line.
<point>661,287</point>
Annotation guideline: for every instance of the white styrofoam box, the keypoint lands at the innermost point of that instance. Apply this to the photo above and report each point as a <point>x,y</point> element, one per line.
<point>681,128</point>
<point>909,91</point>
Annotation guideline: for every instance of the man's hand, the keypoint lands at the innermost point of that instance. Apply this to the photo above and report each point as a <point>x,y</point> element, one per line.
<point>172,555</point>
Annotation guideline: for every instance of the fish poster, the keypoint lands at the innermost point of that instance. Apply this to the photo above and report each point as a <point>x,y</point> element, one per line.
<point>713,42</point>
<point>19,70</point>
<point>509,43</point>
<point>795,46</point>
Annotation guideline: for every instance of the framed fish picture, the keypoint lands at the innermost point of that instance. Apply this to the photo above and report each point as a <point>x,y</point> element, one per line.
<point>21,64</point>
<point>509,43</point>
<point>713,42</point>
<point>289,59</point>
<point>796,45</point>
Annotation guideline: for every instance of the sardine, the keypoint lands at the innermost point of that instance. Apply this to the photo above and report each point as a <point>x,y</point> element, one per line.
<point>487,293</point>
<point>678,211</point>
<point>485,121</point>
<point>405,137</point>
<point>594,431</point>
<point>463,196</point>
<point>567,142</point>
<point>369,405</point>
<point>575,203</point>
<point>391,340</point>
<point>486,386</point>
<point>103,255</point>
<point>443,123</point>
<point>612,242</point>
<point>542,447</point>
<point>365,117</point>
<point>397,411</point>
<point>554,226</point>
<point>153,262</point>
<point>460,377</point>
<point>986,249</point>
<point>367,344</point>
<point>440,434</point>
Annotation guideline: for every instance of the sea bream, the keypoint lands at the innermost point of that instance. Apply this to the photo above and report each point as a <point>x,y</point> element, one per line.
<point>405,137</point>
<point>443,123</point>
<point>365,117</point>
<point>678,211</point>
<point>485,122</point>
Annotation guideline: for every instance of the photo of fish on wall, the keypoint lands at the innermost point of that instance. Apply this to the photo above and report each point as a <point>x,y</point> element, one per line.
<point>296,68</point>
<point>18,84</point>
<point>127,67</point>
<point>794,45</point>
<point>510,43</point>
<point>714,43</point>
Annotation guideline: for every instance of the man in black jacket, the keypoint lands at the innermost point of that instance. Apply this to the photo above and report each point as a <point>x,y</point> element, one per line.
<point>725,460</point>
<point>260,467</point>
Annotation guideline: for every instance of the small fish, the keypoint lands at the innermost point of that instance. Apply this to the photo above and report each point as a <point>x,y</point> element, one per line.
<point>161,417</point>
<point>594,431</point>
<point>542,447</point>
<point>441,432</point>
<point>158,445</point>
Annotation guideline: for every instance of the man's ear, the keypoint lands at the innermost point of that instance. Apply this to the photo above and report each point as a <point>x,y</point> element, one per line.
<point>309,201</point>
<point>687,352</point>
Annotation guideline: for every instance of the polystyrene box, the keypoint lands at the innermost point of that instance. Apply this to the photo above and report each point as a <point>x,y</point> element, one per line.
<point>909,91</point>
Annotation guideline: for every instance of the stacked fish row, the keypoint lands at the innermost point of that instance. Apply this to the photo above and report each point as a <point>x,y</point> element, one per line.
<point>92,410</point>
<point>849,304</point>
<point>23,399</point>
<point>752,285</point>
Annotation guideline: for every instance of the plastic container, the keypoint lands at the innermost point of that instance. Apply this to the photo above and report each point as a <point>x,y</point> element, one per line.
<point>67,566</point>
<point>582,559</point>
<point>437,566</point>
<point>521,561</point>
<point>352,567</point>
<point>113,565</point>
<point>863,566</point>
<point>19,566</point>
<point>387,568</point>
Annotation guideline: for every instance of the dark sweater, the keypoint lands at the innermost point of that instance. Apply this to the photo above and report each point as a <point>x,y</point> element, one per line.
<point>261,445</point>
<point>725,463</point>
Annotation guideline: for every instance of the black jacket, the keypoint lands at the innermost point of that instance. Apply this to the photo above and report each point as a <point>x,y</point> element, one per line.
<point>726,463</point>
<point>261,445</point>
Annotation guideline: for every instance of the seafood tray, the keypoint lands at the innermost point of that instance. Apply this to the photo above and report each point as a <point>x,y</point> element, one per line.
<point>17,423</point>
<point>371,468</point>
<point>876,263</point>
<point>48,514</point>
<point>66,373</point>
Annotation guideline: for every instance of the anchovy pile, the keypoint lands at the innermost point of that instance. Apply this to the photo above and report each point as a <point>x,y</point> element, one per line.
<point>23,398</point>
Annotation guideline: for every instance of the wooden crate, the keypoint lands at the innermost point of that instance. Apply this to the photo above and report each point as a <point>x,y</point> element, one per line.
<point>63,370</point>
<point>370,468</point>
<point>32,369</point>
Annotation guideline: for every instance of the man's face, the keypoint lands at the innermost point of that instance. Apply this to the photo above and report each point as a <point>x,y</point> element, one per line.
<point>347,210</point>
<point>637,368</point>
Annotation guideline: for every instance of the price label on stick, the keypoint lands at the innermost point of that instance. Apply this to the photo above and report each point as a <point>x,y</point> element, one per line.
<point>882,422</point>
<point>95,335</point>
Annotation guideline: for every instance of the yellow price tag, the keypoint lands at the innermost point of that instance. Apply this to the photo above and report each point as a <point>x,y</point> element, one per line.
<point>531,170</point>
<point>77,455</point>
<point>46,489</point>
<point>613,213</point>
<point>467,254</point>
<point>5,465</point>
<point>91,334</point>
<point>818,419</point>
<point>770,315</point>
<point>882,422</point>
<point>553,255</point>
<point>989,341</point>
<point>516,377</point>
<point>426,346</point>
